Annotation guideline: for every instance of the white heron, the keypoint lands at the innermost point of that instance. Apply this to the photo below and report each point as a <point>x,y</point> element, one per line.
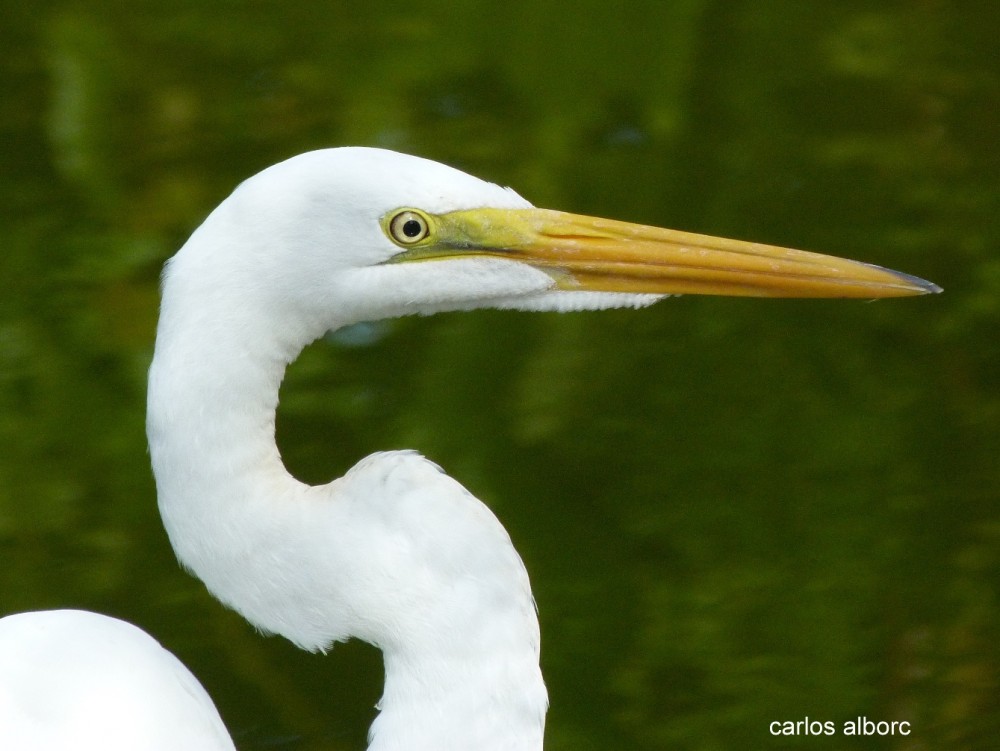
<point>395,552</point>
<point>71,679</point>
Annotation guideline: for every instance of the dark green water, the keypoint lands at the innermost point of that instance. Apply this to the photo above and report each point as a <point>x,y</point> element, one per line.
<point>733,512</point>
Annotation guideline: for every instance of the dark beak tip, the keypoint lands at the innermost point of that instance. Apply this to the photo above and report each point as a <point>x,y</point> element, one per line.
<point>925,287</point>
<point>920,286</point>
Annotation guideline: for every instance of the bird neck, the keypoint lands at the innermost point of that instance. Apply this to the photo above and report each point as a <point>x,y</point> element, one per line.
<point>495,702</point>
<point>394,553</point>
<point>226,500</point>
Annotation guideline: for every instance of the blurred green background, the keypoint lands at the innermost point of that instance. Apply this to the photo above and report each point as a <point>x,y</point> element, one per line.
<point>733,511</point>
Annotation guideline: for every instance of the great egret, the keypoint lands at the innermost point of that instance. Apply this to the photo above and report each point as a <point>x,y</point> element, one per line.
<point>70,679</point>
<point>395,552</point>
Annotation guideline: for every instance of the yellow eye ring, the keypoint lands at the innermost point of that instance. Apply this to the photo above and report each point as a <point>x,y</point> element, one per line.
<point>408,227</point>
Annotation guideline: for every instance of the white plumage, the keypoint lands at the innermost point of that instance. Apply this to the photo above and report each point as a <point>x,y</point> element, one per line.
<point>395,552</point>
<point>70,679</point>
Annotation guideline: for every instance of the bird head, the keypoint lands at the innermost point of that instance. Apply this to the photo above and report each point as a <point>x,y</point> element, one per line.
<point>358,233</point>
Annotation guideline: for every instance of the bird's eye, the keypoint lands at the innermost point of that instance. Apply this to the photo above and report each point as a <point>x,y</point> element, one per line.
<point>408,227</point>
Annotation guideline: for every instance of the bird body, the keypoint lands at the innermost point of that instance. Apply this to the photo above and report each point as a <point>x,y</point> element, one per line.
<point>395,552</point>
<point>70,679</point>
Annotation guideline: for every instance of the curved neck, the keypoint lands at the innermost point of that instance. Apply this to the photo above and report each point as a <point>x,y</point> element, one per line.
<point>324,564</point>
<point>221,484</point>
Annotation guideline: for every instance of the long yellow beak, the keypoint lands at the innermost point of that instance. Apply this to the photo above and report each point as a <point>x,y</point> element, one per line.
<point>589,253</point>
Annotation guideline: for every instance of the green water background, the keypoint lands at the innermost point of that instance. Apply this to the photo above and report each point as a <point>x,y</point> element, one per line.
<point>734,512</point>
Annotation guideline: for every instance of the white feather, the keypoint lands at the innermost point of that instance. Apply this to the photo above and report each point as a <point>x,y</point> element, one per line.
<point>71,679</point>
<point>395,552</point>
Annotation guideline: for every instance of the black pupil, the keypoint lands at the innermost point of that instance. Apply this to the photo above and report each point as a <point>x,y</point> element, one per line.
<point>412,228</point>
